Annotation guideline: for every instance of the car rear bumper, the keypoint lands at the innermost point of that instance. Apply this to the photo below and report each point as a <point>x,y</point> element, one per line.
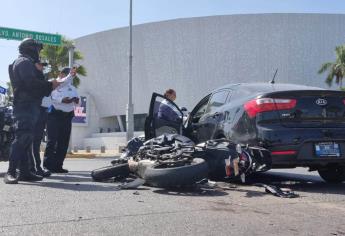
<point>304,156</point>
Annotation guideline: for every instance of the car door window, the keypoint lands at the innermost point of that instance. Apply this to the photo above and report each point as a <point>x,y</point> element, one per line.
<point>167,117</point>
<point>164,117</point>
<point>218,99</point>
<point>199,109</point>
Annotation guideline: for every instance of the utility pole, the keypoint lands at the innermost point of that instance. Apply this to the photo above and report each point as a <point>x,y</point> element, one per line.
<point>129,108</point>
<point>70,65</point>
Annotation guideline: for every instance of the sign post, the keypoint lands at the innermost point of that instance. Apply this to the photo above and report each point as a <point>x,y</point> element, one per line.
<point>18,34</point>
<point>129,108</point>
<point>70,65</point>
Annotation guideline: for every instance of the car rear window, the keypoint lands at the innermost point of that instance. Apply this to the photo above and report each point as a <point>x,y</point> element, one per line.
<point>217,100</point>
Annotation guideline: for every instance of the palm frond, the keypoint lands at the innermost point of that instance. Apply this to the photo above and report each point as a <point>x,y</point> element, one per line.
<point>76,81</point>
<point>325,67</point>
<point>58,58</point>
<point>329,79</point>
<point>82,71</point>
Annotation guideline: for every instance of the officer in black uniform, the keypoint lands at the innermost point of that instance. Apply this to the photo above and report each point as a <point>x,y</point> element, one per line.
<point>39,128</point>
<point>28,91</point>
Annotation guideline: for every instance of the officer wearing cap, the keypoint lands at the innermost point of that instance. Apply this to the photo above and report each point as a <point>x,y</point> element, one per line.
<point>59,123</point>
<point>28,91</point>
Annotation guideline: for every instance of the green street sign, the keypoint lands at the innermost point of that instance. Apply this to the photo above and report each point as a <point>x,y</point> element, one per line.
<point>17,34</point>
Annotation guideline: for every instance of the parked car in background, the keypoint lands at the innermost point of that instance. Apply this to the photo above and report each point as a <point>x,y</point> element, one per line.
<point>302,126</point>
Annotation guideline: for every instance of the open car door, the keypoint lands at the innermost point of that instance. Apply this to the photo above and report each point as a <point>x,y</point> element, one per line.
<point>164,117</point>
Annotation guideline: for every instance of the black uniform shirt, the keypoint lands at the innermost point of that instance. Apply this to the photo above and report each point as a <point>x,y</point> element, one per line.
<point>27,85</point>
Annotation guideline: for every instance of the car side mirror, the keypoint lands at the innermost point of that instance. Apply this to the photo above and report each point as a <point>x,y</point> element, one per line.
<point>183,109</point>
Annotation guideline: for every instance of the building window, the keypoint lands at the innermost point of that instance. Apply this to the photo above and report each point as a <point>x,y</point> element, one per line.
<point>139,122</point>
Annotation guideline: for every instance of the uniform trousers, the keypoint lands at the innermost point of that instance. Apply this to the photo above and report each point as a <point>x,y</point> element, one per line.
<point>38,136</point>
<point>25,117</point>
<point>59,125</point>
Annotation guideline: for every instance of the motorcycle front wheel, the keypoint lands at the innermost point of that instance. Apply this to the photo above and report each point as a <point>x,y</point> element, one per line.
<point>113,171</point>
<point>164,176</point>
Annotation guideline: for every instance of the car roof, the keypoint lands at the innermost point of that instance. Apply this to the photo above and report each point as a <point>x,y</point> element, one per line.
<point>267,87</point>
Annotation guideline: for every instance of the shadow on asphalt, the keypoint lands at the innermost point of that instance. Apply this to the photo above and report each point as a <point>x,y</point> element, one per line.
<point>251,193</point>
<point>191,192</point>
<point>82,181</point>
<point>73,176</point>
<point>75,181</point>
<point>297,182</point>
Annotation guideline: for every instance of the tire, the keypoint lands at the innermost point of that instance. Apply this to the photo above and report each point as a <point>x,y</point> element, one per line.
<point>176,176</point>
<point>333,174</point>
<point>104,173</point>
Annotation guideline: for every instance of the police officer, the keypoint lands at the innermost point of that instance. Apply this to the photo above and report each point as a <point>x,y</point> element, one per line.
<point>59,123</point>
<point>28,91</point>
<point>39,129</point>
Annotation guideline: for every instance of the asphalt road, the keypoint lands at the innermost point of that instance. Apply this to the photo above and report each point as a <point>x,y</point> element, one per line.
<point>71,204</point>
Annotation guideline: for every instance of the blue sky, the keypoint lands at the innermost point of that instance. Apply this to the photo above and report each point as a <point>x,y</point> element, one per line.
<point>75,18</point>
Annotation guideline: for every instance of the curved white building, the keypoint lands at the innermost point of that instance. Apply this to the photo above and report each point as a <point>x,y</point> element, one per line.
<point>196,55</point>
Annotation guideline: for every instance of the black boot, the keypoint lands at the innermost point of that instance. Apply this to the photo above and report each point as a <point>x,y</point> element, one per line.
<point>44,173</point>
<point>11,177</point>
<point>25,174</point>
<point>29,176</point>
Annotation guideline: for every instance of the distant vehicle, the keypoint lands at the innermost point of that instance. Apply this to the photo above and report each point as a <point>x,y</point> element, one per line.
<point>302,126</point>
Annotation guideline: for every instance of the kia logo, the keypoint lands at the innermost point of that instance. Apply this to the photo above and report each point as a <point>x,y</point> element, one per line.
<point>321,102</point>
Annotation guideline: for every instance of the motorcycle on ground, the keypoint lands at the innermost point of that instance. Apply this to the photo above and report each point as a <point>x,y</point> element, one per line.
<point>173,160</point>
<point>6,132</point>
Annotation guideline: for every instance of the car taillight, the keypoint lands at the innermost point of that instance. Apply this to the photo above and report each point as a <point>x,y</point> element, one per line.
<point>286,152</point>
<point>259,105</point>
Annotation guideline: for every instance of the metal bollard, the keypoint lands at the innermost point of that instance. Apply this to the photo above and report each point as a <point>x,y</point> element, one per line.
<point>88,149</point>
<point>102,149</point>
<point>75,149</point>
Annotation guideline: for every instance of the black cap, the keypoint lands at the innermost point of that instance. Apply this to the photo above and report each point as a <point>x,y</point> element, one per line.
<point>30,48</point>
<point>30,44</point>
<point>66,70</point>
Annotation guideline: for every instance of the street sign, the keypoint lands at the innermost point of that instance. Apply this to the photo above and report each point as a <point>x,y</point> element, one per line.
<point>17,34</point>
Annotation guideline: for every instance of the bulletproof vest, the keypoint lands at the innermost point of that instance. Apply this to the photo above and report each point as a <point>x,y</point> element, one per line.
<point>14,83</point>
<point>20,92</point>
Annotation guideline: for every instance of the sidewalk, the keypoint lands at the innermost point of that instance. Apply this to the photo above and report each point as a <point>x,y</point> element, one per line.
<point>93,154</point>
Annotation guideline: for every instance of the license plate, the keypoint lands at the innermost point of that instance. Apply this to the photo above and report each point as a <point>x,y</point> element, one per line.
<point>327,149</point>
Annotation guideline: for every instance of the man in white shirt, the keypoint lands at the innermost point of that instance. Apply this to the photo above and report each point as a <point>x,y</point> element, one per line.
<point>59,123</point>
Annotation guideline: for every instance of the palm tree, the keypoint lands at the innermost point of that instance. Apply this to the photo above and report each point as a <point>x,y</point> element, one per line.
<point>335,69</point>
<point>57,57</point>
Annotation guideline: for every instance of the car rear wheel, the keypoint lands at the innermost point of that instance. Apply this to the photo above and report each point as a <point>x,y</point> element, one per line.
<point>333,174</point>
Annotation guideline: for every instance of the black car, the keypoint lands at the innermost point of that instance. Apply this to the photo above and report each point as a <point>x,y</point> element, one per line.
<point>302,126</point>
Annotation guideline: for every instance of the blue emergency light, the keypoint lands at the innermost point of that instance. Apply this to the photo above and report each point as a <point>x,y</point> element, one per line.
<point>3,90</point>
